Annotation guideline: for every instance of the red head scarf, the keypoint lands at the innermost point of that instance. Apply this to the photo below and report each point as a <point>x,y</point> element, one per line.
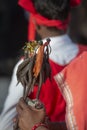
<point>28,5</point>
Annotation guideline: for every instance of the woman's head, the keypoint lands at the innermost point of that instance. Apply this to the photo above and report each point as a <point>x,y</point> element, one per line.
<point>53,9</point>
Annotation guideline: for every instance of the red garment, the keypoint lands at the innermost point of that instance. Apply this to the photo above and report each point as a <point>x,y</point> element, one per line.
<point>73,85</point>
<point>50,94</point>
<point>51,97</point>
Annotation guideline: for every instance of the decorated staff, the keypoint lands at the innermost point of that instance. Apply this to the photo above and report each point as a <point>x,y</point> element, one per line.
<point>34,70</point>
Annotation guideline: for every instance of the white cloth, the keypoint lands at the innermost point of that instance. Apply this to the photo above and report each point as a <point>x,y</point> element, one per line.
<point>14,94</point>
<point>63,51</point>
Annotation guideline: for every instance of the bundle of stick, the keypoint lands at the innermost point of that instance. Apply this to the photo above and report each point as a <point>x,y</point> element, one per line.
<point>34,70</point>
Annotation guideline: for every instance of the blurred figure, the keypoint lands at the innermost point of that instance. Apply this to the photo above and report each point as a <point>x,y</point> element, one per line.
<point>50,19</point>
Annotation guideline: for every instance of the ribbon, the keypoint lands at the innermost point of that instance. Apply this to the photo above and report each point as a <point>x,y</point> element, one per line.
<point>41,20</point>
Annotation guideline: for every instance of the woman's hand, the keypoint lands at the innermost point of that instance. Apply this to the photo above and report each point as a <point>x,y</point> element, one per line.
<point>29,116</point>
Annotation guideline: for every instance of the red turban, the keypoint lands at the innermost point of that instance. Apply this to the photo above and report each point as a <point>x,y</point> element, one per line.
<point>28,5</point>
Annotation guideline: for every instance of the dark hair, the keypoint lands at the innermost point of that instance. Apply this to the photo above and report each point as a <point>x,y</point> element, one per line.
<point>53,9</point>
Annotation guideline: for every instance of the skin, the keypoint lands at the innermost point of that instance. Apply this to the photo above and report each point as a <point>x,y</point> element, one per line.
<point>29,116</point>
<point>48,32</point>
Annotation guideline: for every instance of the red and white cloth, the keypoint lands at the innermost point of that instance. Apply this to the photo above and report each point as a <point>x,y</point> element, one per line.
<point>63,52</point>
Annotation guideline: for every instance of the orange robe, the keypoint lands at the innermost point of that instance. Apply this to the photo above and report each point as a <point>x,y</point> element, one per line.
<point>72,82</point>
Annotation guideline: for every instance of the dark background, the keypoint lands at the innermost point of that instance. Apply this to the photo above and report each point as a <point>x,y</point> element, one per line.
<point>13,34</point>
